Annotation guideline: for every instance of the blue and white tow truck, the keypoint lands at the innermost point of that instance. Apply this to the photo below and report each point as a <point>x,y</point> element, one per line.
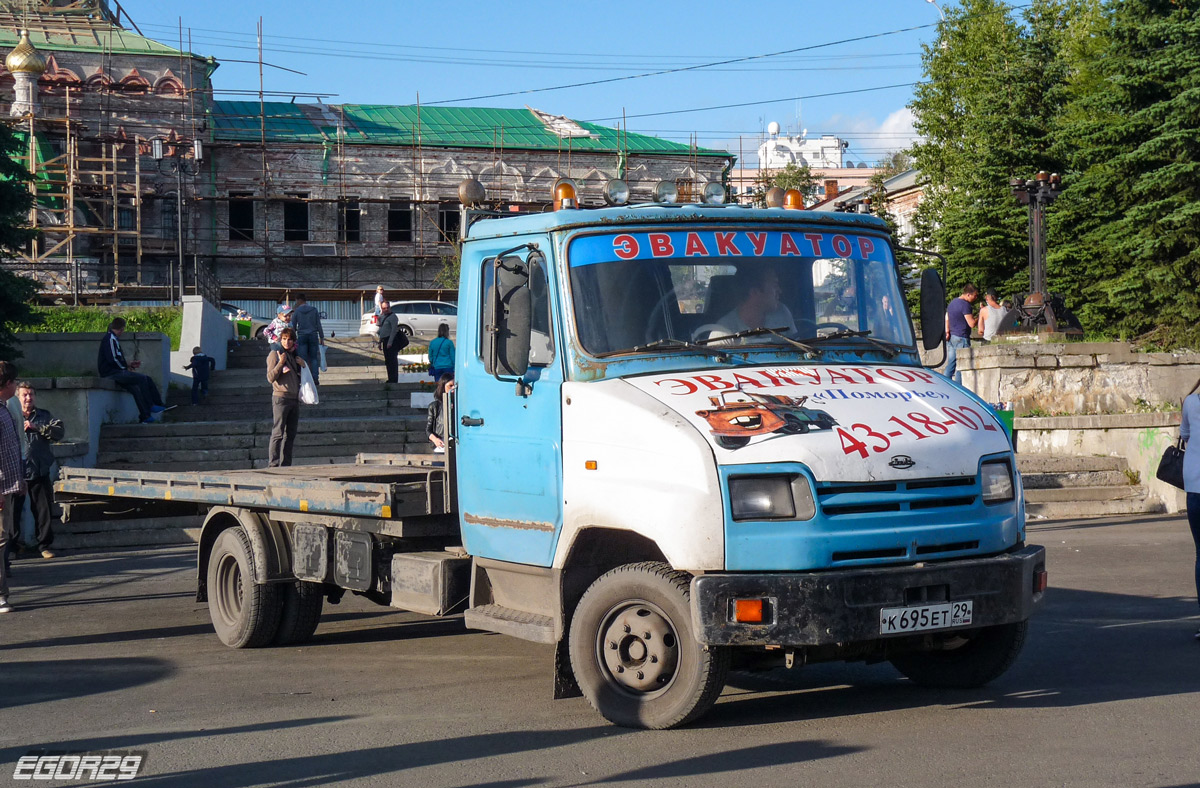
<point>684,437</point>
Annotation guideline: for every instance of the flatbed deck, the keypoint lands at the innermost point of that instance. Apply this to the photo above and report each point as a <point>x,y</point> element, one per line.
<point>397,489</point>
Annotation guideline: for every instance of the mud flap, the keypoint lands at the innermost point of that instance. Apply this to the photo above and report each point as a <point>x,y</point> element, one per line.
<point>565,685</point>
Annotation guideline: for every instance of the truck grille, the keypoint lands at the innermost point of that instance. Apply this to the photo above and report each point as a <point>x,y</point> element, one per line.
<point>840,499</point>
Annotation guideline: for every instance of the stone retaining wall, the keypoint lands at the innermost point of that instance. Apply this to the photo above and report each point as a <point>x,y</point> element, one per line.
<point>1077,378</point>
<point>1138,438</point>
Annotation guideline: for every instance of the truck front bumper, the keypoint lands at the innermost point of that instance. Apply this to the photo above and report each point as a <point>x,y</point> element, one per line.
<point>843,606</point>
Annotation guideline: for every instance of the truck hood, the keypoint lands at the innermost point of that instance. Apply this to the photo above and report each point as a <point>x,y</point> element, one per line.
<point>846,423</point>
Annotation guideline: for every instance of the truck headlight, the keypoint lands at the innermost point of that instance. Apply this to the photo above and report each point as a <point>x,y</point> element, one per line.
<point>771,498</point>
<point>997,482</point>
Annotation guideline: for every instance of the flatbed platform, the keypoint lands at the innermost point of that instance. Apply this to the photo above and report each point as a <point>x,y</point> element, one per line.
<point>388,490</point>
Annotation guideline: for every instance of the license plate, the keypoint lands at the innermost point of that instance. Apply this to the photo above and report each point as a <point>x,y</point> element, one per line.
<point>901,620</point>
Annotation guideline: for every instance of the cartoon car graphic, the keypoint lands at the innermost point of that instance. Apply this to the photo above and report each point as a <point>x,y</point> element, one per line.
<point>737,416</point>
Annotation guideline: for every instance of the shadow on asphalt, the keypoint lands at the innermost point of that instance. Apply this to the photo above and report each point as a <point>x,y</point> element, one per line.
<point>1084,648</point>
<point>45,681</point>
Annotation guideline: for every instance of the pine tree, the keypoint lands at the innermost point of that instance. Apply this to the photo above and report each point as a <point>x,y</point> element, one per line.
<point>1130,219</point>
<point>16,292</point>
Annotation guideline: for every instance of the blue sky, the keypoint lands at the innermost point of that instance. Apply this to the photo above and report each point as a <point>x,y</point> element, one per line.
<point>381,52</point>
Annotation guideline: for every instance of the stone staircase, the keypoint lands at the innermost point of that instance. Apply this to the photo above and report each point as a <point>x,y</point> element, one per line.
<point>359,412</point>
<point>1065,487</point>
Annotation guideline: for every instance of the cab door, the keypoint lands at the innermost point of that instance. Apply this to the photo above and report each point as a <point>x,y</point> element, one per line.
<point>509,445</point>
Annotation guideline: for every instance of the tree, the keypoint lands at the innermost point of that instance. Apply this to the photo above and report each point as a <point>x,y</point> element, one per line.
<point>793,176</point>
<point>894,163</point>
<point>1129,218</point>
<point>973,114</point>
<point>16,292</point>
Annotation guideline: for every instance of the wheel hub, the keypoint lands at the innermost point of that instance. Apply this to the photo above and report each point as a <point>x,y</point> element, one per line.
<point>639,647</point>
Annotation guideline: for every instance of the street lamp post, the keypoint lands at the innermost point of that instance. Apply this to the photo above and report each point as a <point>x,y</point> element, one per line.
<point>181,164</point>
<point>1037,194</point>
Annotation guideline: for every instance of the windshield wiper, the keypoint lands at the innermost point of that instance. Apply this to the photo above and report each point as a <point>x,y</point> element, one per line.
<point>751,332</point>
<point>891,348</point>
<point>680,344</point>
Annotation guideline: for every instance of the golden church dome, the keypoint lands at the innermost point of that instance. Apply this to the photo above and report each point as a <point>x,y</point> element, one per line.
<point>24,59</point>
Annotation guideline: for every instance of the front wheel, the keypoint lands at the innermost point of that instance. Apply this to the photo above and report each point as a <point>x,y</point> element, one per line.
<point>244,613</point>
<point>732,441</point>
<point>634,653</point>
<point>969,660</point>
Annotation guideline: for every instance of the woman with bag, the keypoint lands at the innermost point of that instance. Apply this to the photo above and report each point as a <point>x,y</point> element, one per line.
<point>441,353</point>
<point>283,370</point>
<point>1191,475</point>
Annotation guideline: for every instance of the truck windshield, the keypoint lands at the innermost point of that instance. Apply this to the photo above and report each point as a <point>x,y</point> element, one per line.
<point>630,290</point>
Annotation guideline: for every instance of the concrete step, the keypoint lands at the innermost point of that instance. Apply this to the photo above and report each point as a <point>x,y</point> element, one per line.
<point>201,414</point>
<point>1050,463</point>
<point>1126,492</point>
<point>1070,480</point>
<point>1070,510</point>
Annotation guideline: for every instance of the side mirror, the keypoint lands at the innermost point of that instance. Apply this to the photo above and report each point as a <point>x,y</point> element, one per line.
<point>509,317</point>
<point>933,309</point>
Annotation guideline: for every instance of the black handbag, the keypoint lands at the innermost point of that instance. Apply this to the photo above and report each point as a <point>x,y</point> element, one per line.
<point>1170,467</point>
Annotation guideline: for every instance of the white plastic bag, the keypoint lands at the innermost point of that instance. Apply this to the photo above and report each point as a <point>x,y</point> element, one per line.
<point>308,387</point>
<point>324,366</point>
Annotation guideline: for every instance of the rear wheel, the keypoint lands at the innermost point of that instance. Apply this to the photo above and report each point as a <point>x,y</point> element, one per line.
<point>634,653</point>
<point>300,612</point>
<point>969,660</point>
<point>244,613</point>
<point>794,425</point>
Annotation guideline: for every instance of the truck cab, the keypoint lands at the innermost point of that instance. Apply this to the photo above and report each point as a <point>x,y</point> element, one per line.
<point>693,434</point>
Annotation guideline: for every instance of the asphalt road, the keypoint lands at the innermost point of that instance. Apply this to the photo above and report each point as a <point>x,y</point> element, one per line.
<point>109,651</point>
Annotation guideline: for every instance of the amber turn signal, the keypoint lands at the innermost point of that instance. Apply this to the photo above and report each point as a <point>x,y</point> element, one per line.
<point>748,611</point>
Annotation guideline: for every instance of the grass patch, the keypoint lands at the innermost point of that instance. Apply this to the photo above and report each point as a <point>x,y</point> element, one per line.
<point>78,320</point>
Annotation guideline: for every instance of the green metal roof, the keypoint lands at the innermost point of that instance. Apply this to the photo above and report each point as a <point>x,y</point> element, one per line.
<point>86,35</point>
<point>456,127</point>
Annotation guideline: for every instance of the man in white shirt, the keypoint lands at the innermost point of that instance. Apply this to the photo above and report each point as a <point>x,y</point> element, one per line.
<point>758,290</point>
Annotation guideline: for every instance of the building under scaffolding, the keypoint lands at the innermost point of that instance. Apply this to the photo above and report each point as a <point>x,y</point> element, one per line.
<point>144,183</point>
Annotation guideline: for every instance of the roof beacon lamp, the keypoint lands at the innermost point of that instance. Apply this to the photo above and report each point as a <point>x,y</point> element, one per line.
<point>616,192</point>
<point>565,194</point>
<point>793,200</point>
<point>714,193</point>
<point>774,197</point>
<point>666,193</point>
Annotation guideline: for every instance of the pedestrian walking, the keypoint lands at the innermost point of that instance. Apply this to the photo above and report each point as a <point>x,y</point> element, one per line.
<point>201,366</point>
<point>441,353</point>
<point>306,321</point>
<point>435,421</point>
<point>111,364</point>
<point>12,474</point>
<point>379,299</point>
<point>283,370</point>
<point>392,340</point>
<point>1191,476</point>
<point>960,319</point>
<point>40,430</point>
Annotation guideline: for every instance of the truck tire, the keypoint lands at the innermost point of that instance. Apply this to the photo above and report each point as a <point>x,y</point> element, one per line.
<point>300,612</point>
<point>634,653</point>
<point>983,656</point>
<point>244,613</point>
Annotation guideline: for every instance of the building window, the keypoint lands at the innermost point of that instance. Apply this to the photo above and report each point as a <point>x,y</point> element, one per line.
<point>295,218</point>
<point>349,222</point>
<point>170,218</point>
<point>449,220</point>
<point>400,222</point>
<point>127,221</point>
<point>241,217</point>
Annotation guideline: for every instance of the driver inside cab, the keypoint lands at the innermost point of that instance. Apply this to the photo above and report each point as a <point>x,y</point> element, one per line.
<point>758,293</point>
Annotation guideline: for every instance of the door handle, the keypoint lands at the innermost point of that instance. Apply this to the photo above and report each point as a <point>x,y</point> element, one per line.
<point>468,421</point>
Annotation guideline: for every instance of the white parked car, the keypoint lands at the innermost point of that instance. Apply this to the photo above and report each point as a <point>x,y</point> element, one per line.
<point>419,319</point>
